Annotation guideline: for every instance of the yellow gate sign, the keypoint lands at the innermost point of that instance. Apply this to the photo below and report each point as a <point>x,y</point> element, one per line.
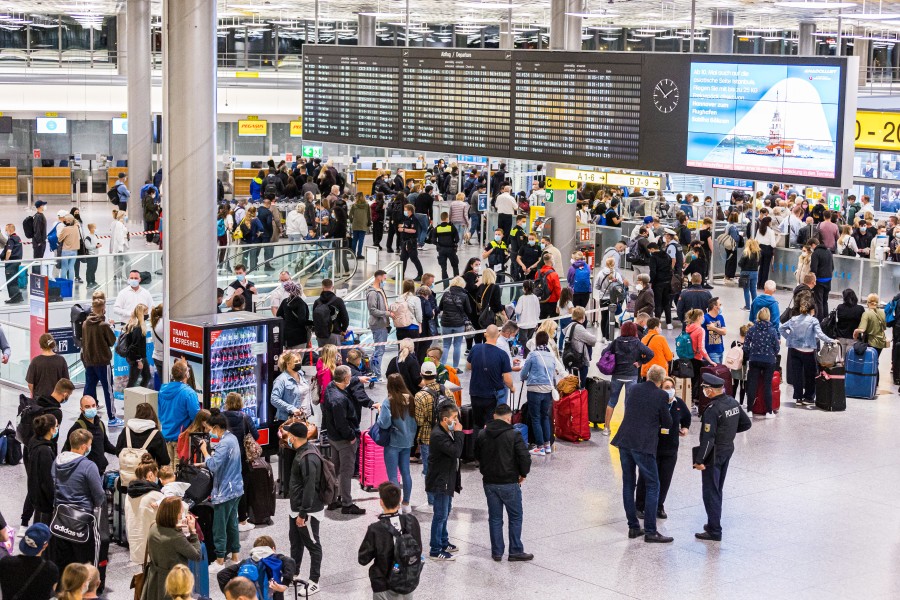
<point>560,184</point>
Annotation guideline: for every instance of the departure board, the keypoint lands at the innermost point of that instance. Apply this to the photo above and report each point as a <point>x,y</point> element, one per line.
<point>456,98</point>
<point>572,107</point>
<point>351,97</point>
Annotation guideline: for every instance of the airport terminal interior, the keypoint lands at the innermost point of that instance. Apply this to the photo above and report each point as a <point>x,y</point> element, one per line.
<point>696,130</point>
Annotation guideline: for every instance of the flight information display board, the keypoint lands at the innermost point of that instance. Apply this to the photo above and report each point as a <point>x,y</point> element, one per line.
<point>455,98</point>
<point>571,107</point>
<point>352,97</point>
<point>720,115</point>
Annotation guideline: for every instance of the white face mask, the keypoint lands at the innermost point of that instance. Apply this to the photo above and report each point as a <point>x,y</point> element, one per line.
<point>671,393</point>
<point>639,287</point>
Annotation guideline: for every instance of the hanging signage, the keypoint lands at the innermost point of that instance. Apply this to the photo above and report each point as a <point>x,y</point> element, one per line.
<point>252,128</point>
<point>568,179</point>
<point>834,201</point>
<point>312,151</point>
<point>878,130</point>
<point>186,338</point>
<point>297,128</point>
<point>38,293</point>
<point>468,159</point>
<point>627,180</point>
<point>728,183</point>
<point>555,183</point>
<point>581,176</point>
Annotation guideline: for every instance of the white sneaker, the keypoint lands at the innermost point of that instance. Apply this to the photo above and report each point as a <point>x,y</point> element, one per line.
<point>770,415</point>
<point>312,588</point>
<point>548,449</point>
<point>668,326</point>
<point>405,509</point>
<point>605,432</point>
<point>537,451</point>
<point>247,526</point>
<point>215,567</point>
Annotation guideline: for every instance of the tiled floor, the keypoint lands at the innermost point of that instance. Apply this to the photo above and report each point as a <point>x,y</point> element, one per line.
<point>808,515</point>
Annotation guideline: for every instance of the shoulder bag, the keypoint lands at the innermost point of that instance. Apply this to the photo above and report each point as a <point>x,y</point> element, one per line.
<point>554,393</point>
<point>139,579</point>
<point>72,524</point>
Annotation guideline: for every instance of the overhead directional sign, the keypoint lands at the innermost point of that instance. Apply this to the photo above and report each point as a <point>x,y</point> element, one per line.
<point>569,179</point>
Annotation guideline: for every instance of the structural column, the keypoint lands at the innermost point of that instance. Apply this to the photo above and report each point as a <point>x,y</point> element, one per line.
<point>365,30</point>
<point>573,24</point>
<point>861,49</point>
<point>189,155</point>
<point>140,132</point>
<point>721,34</point>
<point>121,43</point>
<point>507,37</point>
<point>807,39</point>
<point>558,24</point>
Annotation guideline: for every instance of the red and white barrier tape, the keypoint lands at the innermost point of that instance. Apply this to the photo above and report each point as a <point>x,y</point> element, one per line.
<point>106,237</point>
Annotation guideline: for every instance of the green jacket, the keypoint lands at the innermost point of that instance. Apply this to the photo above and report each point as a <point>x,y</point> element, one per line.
<point>360,216</point>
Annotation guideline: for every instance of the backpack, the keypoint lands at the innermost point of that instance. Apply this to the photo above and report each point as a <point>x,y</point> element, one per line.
<point>404,577</point>
<point>635,255</point>
<point>402,316</point>
<point>734,358</point>
<point>10,448</point>
<point>582,280</point>
<point>328,483</point>
<point>542,286</point>
<point>570,358</point>
<point>260,574</point>
<point>890,310</point>
<point>324,316</point>
<point>220,227</point>
<point>726,241</point>
<point>130,457</point>
<point>77,316</point>
<point>438,399</point>
<point>28,226</point>
<point>684,348</point>
<point>52,240</point>
<point>29,410</point>
<point>113,194</point>
<point>270,184</point>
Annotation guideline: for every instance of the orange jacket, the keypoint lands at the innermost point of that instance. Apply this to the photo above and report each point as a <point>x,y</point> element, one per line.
<point>662,354</point>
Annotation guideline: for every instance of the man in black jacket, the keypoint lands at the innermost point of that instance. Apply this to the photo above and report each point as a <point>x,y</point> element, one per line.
<point>504,462</point>
<point>12,254</point>
<point>693,296</point>
<point>306,509</point>
<point>340,320</point>
<point>39,239</point>
<point>100,445</point>
<point>646,416</point>
<point>821,263</point>
<point>443,479</point>
<point>340,420</point>
<point>447,240</point>
<point>378,545</point>
<point>661,280</point>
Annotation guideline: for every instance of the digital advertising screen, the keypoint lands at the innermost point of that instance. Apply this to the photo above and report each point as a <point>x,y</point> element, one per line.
<point>120,126</point>
<point>780,120</point>
<point>51,125</point>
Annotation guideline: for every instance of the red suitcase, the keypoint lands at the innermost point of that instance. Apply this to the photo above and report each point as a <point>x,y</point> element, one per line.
<point>759,405</point>
<point>570,416</point>
<point>723,373</point>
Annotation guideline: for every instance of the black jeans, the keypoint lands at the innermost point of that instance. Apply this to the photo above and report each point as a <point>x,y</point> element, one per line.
<point>307,538</point>
<point>11,270</point>
<point>409,251</point>
<point>765,263</point>
<point>482,411</point>
<point>760,374</point>
<point>802,366</point>
<point>821,291</point>
<point>91,275</point>
<point>134,372</point>
<point>377,232</point>
<point>445,254</point>
<point>662,297</point>
<point>665,466</point>
<point>392,231</point>
<point>731,264</point>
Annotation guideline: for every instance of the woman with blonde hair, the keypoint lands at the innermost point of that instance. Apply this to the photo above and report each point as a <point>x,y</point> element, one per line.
<point>550,327</point>
<point>329,359</point>
<point>407,365</point>
<point>118,243</point>
<point>73,582</point>
<point>846,245</point>
<point>749,266</point>
<point>136,344</point>
<point>180,583</point>
<point>93,582</point>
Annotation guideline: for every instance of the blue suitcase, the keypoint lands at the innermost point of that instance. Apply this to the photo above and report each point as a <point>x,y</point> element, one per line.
<point>861,374</point>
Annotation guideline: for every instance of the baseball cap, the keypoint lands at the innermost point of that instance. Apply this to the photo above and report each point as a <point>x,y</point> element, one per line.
<point>61,213</point>
<point>40,203</point>
<point>34,539</point>
<point>669,230</point>
<point>428,369</point>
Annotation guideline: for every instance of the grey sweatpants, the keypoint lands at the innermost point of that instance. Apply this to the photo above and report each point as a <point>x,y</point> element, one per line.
<point>344,458</point>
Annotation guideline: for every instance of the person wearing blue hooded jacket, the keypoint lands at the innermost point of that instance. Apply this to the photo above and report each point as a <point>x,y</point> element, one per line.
<point>767,300</point>
<point>761,346</point>
<point>225,465</point>
<point>178,405</point>
<point>397,413</point>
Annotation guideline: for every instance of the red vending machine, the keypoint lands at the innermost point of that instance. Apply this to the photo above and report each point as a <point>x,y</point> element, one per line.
<point>233,352</point>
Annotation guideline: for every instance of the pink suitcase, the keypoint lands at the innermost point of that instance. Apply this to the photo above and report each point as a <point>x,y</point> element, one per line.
<point>372,471</point>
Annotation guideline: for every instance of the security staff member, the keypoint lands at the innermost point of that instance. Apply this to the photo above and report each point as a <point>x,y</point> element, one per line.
<point>722,420</point>
<point>529,257</point>
<point>518,237</point>
<point>446,239</point>
<point>409,231</point>
<point>496,251</point>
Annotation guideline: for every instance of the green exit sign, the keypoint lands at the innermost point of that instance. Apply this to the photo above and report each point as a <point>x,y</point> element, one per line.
<point>834,202</point>
<point>312,151</point>
<point>571,196</point>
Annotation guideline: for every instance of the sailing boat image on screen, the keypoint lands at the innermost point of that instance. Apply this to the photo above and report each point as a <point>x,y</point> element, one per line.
<point>764,119</point>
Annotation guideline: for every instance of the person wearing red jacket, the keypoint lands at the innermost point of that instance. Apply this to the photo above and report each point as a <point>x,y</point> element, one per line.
<point>548,305</point>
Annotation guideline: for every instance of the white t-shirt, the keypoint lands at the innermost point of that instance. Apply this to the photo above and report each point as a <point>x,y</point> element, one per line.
<point>128,299</point>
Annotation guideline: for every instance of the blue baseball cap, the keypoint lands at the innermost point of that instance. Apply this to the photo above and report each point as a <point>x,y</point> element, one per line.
<point>34,539</point>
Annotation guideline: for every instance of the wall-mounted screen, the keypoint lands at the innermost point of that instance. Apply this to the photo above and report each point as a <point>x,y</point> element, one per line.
<point>775,119</point>
<point>6,125</point>
<point>51,125</point>
<point>120,126</point>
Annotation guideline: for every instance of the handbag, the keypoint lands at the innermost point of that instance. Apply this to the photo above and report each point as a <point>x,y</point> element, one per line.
<point>486,316</point>
<point>380,436</point>
<point>682,368</point>
<point>139,579</point>
<point>72,524</point>
<point>554,393</point>
<point>607,361</point>
<point>743,281</point>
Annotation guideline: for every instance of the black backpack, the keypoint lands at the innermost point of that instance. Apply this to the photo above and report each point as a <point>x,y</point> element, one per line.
<point>77,316</point>
<point>28,226</point>
<point>113,194</point>
<point>404,577</point>
<point>28,412</point>
<point>271,185</point>
<point>12,449</point>
<point>324,316</point>
<point>570,358</point>
<point>542,286</point>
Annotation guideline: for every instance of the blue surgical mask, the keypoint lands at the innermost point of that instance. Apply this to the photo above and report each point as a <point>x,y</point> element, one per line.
<point>90,413</point>
<point>55,434</point>
<point>241,278</point>
<point>531,242</point>
<point>497,238</point>
<point>409,214</point>
<point>543,245</point>
<point>134,282</point>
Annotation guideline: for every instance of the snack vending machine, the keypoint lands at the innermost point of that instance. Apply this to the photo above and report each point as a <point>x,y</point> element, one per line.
<point>233,352</point>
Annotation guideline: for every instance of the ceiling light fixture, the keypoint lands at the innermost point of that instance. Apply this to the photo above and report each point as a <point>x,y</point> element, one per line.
<point>814,4</point>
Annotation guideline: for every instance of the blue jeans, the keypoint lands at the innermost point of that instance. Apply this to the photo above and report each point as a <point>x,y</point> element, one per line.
<point>750,290</point>
<point>394,458</point>
<point>67,266</point>
<point>378,335</point>
<point>424,451</point>
<point>440,539</point>
<point>502,396</point>
<point>93,376</point>
<point>457,345</point>
<point>646,464</point>
<point>424,223</point>
<point>359,237</point>
<point>475,226</point>
<point>716,357</point>
<point>615,386</point>
<point>563,323</point>
<point>500,495</point>
<point>539,406</point>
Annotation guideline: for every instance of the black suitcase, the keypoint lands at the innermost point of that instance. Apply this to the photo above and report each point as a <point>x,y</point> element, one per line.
<point>115,507</point>
<point>204,514</point>
<point>261,492</point>
<point>465,419</point>
<point>895,362</point>
<point>830,391</point>
<point>598,399</point>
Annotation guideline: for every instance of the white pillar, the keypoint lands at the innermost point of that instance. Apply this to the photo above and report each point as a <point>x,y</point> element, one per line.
<point>121,43</point>
<point>365,31</point>
<point>140,132</point>
<point>558,24</point>
<point>189,155</point>
<point>721,33</point>
<point>573,25</point>
<point>807,39</point>
<point>507,37</point>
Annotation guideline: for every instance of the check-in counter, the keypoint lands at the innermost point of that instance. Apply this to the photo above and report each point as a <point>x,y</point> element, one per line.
<point>8,181</point>
<point>242,179</point>
<point>112,176</point>
<point>52,181</point>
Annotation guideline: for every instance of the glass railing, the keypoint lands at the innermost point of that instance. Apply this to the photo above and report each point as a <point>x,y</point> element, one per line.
<point>13,372</point>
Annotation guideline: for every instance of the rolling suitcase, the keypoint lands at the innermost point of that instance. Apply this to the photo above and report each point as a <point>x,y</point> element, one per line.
<point>895,362</point>
<point>597,400</point>
<point>465,419</point>
<point>759,405</point>
<point>520,417</point>
<point>372,471</point>
<point>722,372</point>
<point>570,416</point>
<point>830,392</point>
<point>261,492</point>
<point>200,571</point>
<point>115,504</point>
<point>861,374</point>
<point>204,513</point>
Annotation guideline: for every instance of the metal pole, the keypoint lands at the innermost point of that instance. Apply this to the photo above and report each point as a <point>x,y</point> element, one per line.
<point>840,36</point>
<point>316,28</point>
<point>407,23</point>
<point>693,22</point>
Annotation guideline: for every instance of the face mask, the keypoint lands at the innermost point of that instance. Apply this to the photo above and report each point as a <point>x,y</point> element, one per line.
<point>284,284</point>
<point>90,413</point>
<point>531,242</point>
<point>55,434</point>
<point>572,261</point>
<point>543,245</point>
<point>451,425</point>
<point>862,229</point>
<point>671,393</point>
<point>241,278</point>
<point>639,287</point>
<point>409,214</point>
<point>134,282</point>
<point>497,238</point>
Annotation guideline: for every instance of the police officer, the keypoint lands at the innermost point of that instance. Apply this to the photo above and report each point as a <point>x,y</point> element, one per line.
<point>409,231</point>
<point>446,239</point>
<point>722,420</point>
<point>529,257</point>
<point>518,237</point>
<point>496,251</point>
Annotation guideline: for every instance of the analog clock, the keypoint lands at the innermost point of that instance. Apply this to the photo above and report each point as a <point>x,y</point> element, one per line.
<point>665,96</point>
